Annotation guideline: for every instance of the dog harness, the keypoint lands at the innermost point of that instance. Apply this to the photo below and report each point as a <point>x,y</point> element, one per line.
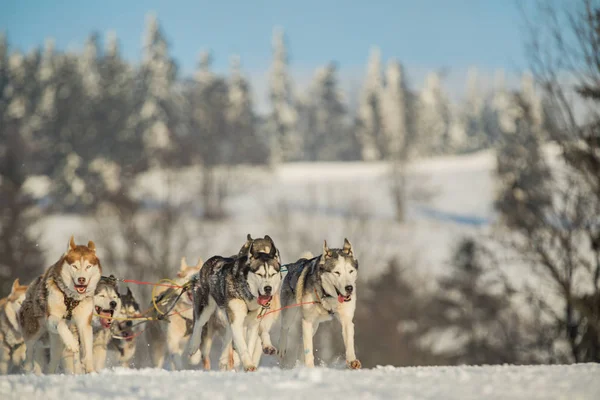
<point>70,303</point>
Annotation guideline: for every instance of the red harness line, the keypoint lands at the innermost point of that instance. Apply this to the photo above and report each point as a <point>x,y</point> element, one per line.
<point>283,308</point>
<point>180,287</point>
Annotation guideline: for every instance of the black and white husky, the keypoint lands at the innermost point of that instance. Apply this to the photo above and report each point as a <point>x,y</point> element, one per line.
<point>238,288</point>
<point>328,284</point>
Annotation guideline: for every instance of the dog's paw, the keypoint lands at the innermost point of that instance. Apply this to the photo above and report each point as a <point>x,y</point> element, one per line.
<point>354,364</point>
<point>250,368</point>
<point>72,345</point>
<point>88,369</point>
<point>269,350</point>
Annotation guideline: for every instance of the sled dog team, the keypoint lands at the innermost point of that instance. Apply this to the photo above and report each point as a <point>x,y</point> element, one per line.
<point>69,317</point>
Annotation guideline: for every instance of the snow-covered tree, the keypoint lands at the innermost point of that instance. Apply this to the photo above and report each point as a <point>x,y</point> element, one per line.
<point>19,255</point>
<point>369,125</point>
<point>468,130</point>
<point>523,194</point>
<point>434,118</point>
<point>209,102</point>
<point>282,123</point>
<point>88,67</point>
<point>246,146</point>
<point>326,132</point>
<point>397,123</point>
<point>158,73</point>
<point>397,113</point>
<point>121,152</point>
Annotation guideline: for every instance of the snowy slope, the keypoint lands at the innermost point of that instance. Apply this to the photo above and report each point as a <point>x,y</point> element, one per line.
<point>576,382</point>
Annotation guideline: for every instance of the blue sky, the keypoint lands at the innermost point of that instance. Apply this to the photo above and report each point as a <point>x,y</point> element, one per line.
<point>423,34</point>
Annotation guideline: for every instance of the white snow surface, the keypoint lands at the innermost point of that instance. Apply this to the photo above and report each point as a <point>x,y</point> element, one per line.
<point>573,382</point>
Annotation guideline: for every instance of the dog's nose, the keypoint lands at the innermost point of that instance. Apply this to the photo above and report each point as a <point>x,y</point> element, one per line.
<point>349,289</point>
<point>268,289</point>
<point>81,280</point>
<point>129,324</point>
<point>113,304</point>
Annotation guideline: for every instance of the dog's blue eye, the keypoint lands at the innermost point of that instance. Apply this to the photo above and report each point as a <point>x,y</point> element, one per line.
<point>88,267</point>
<point>74,266</point>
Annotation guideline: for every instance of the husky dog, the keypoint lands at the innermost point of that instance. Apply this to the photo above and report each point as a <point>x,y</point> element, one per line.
<point>240,287</point>
<point>329,281</point>
<point>12,346</point>
<point>125,332</point>
<point>62,296</point>
<point>106,304</point>
<point>171,335</point>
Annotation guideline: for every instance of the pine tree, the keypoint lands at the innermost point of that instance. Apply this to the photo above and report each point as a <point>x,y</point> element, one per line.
<point>19,255</point>
<point>327,135</point>
<point>209,134</point>
<point>397,124</point>
<point>475,309</point>
<point>158,73</point>
<point>397,326</point>
<point>369,129</point>
<point>397,115</point>
<point>283,119</point>
<point>121,156</point>
<point>523,194</point>
<point>434,119</point>
<point>470,134</point>
<point>247,148</point>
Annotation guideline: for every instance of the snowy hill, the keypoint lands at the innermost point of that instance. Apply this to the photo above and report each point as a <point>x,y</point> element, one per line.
<point>300,204</point>
<point>574,382</point>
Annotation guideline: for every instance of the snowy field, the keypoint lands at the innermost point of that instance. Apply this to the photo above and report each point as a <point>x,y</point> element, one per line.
<point>575,382</point>
<point>327,201</point>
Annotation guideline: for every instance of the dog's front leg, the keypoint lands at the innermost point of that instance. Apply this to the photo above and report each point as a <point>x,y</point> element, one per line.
<point>83,321</point>
<point>57,325</point>
<point>57,352</point>
<point>18,357</point>
<point>226,361</point>
<point>4,357</point>
<point>307,339</point>
<point>237,312</point>
<point>33,363</point>
<point>99,356</point>
<point>348,335</point>
<point>252,339</point>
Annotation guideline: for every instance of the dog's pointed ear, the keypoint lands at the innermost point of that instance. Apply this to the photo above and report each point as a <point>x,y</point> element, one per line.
<point>199,263</point>
<point>71,245</point>
<point>249,252</point>
<point>348,248</point>
<point>273,252</point>
<point>15,286</point>
<point>92,246</point>
<point>246,247</point>
<point>326,252</point>
<point>249,238</point>
<point>183,265</point>
<point>129,294</point>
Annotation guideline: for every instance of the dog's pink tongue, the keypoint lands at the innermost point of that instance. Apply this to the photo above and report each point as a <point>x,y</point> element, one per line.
<point>264,300</point>
<point>341,298</point>
<point>105,318</point>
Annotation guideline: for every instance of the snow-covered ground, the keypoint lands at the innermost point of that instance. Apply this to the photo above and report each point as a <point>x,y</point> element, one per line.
<point>574,382</point>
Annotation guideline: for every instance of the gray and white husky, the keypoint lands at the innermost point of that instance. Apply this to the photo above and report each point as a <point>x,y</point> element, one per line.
<point>328,284</point>
<point>107,304</point>
<point>238,288</point>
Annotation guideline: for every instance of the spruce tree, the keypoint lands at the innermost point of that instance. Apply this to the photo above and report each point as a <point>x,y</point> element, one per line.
<point>282,123</point>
